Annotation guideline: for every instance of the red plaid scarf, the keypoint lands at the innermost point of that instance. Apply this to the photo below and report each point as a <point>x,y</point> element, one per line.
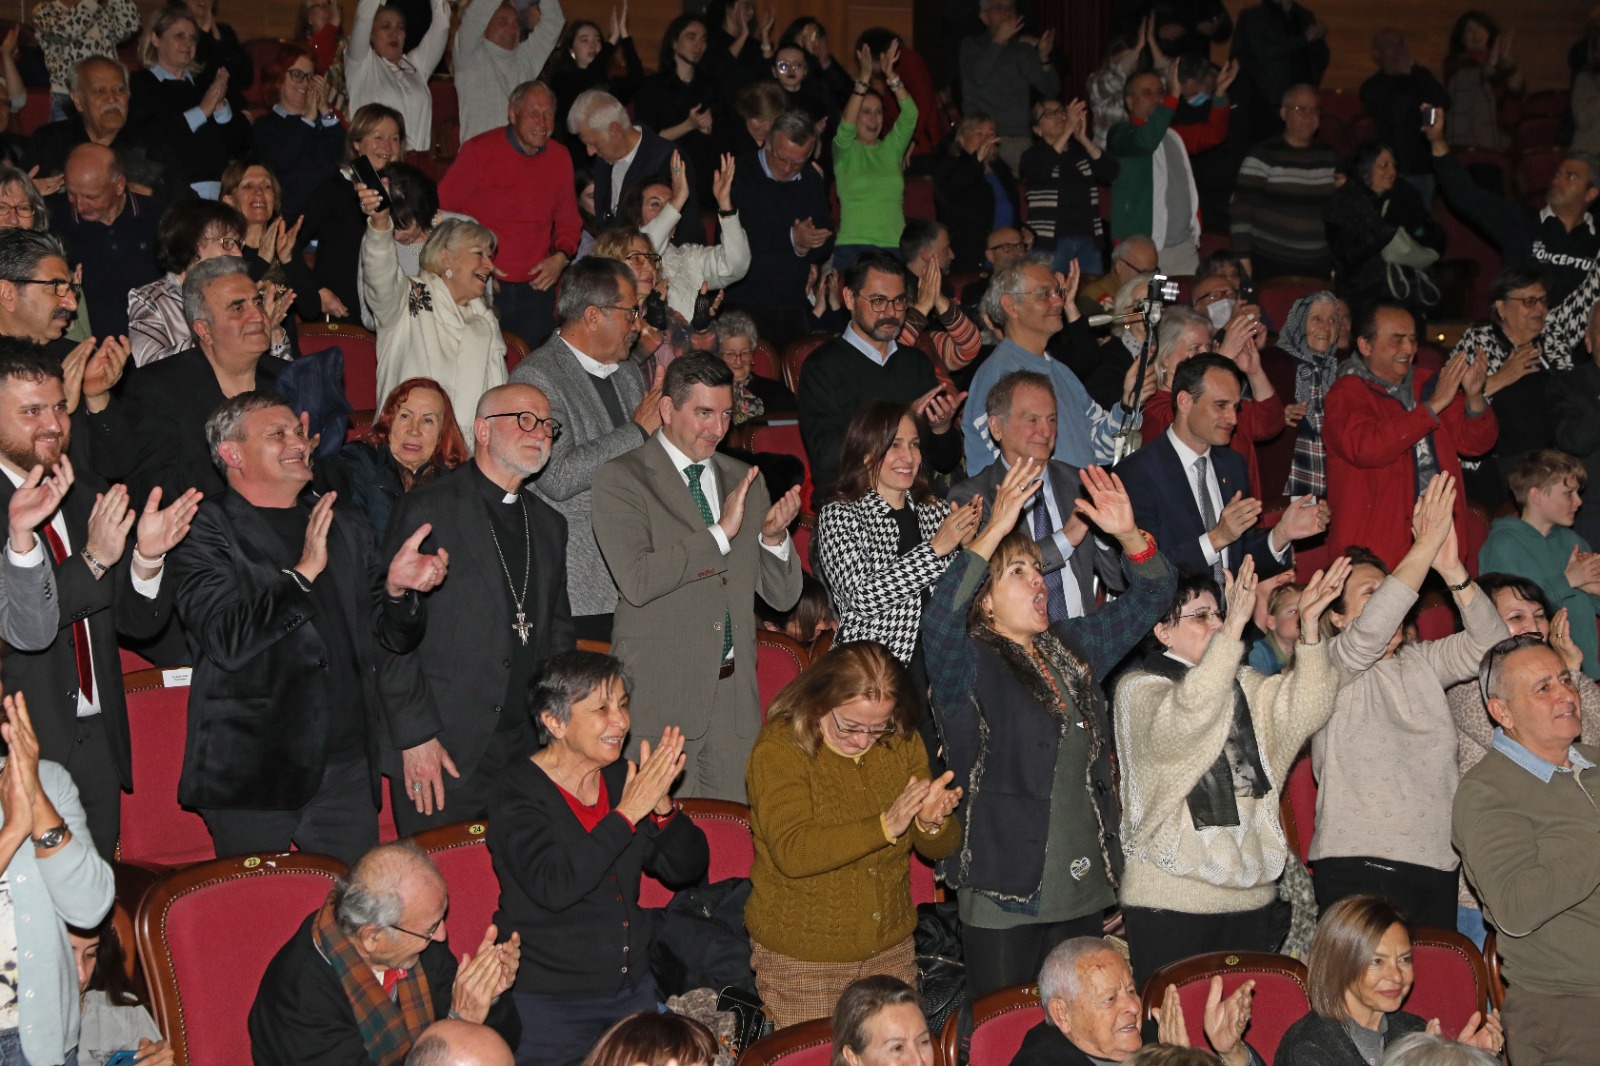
<point>388,1026</point>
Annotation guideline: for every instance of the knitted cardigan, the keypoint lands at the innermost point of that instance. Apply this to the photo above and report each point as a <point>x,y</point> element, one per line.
<point>827,885</point>
<point>1318,1041</point>
<point>1169,735</point>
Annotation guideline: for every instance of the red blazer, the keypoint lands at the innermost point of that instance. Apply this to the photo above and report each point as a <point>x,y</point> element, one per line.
<point>1258,420</point>
<point>1371,478</point>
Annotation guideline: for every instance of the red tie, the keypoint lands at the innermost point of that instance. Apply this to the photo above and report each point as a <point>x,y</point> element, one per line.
<point>391,978</point>
<point>80,628</point>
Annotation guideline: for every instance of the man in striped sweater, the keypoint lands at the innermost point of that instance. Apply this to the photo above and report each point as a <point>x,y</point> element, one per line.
<point>1282,191</point>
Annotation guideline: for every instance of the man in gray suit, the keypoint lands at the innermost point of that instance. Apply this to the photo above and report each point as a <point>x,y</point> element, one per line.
<point>1022,422</point>
<point>678,525</point>
<point>604,410</point>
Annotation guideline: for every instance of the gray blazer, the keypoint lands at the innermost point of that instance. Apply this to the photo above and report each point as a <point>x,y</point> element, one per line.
<point>30,614</point>
<point>1090,560</point>
<point>587,440</point>
<point>677,588</point>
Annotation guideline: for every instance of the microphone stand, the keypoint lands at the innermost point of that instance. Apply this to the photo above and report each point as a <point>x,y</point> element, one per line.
<point>1128,436</point>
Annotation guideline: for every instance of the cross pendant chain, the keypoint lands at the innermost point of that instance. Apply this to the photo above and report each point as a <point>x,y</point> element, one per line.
<point>522,627</point>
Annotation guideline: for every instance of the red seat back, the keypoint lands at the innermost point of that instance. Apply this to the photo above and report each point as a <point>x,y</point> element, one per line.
<point>206,935</point>
<point>782,438</point>
<point>1280,999</point>
<point>1340,103</point>
<point>1214,242</point>
<point>1300,796</point>
<point>132,661</point>
<point>1000,1021</point>
<point>1545,102</point>
<point>765,362</point>
<point>1277,295</point>
<point>806,1044</point>
<point>516,349</point>
<point>919,202</point>
<point>260,50</point>
<point>1451,978</point>
<point>155,830</point>
<point>924,889</point>
<point>1436,620</point>
<point>1536,169</point>
<point>1535,131</point>
<point>360,348</point>
<point>779,660</point>
<point>794,357</point>
<point>802,541</point>
<point>733,849</point>
<point>35,113</point>
<point>461,852</point>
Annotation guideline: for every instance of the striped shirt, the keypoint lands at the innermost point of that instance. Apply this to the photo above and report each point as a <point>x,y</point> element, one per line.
<point>1278,204</point>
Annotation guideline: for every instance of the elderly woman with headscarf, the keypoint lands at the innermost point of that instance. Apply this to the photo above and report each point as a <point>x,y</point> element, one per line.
<point>1307,353</point>
<point>437,324</point>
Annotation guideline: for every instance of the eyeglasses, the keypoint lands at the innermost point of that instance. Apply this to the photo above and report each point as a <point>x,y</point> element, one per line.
<point>1530,302</point>
<point>432,929</point>
<point>1044,294</point>
<point>59,286</point>
<point>299,75</point>
<point>228,244</point>
<point>787,67</point>
<point>883,303</point>
<point>1303,109</point>
<point>1216,294</point>
<point>643,257</point>
<point>1206,615</point>
<point>1052,110</point>
<point>860,731</point>
<point>1007,246</point>
<point>19,210</point>
<point>734,354</point>
<point>631,312</point>
<point>527,421</point>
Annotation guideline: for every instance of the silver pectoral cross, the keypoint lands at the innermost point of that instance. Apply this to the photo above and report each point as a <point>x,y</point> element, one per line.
<point>521,626</point>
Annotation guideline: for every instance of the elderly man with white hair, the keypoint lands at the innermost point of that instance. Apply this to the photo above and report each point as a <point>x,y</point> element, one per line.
<point>1092,1012</point>
<point>625,154</point>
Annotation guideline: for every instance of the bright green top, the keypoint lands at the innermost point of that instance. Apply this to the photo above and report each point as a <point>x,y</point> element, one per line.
<point>871,182</point>
<point>1515,547</point>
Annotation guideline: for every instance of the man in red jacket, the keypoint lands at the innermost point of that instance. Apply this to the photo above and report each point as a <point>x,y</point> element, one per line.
<point>1390,427</point>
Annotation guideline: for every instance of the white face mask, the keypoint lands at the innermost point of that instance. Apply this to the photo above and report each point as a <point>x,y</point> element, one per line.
<point>1219,313</point>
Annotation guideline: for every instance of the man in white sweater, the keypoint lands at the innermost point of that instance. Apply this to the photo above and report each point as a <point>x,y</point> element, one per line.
<point>492,57</point>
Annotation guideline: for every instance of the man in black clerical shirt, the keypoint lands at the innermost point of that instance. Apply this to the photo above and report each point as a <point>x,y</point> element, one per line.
<point>457,704</point>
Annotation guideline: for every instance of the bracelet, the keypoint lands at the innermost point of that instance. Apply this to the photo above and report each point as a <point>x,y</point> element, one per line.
<point>1149,551</point>
<point>858,92</point>
<point>895,84</point>
<point>731,212</point>
<point>141,559</point>
<point>298,578</point>
<point>935,831</point>
<point>96,567</point>
<point>1461,587</point>
<point>860,84</point>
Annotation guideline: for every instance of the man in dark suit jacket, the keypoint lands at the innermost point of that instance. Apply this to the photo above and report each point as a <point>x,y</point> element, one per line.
<point>284,606</point>
<point>457,703</point>
<point>1022,421</point>
<point>322,986</point>
<point>1205,535</point>
<point>74,685</point>
<point>626,154</point>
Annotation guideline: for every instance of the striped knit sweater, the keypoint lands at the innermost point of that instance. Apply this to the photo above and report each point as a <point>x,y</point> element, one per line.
<point>1278,203</point>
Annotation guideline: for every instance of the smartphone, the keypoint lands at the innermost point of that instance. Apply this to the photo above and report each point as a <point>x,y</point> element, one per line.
<point>122,1058</point>
<point>367,175</point>
<point>1431,116</point>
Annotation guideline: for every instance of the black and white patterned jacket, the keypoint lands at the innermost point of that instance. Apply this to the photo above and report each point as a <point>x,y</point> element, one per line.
<point>877,593</point>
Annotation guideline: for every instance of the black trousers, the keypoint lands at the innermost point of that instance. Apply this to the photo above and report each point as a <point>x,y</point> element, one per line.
<point>340,820</point>
<point>99,786</point>
<point>1000,958</point>
<point>593,626</point>
<point>468,796</point>
<point>1426,896</point>
<point>1159,937</point>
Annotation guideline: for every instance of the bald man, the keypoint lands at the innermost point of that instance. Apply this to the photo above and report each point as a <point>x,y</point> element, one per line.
<point>109,231</point>
<point>457,703</point>
<point>456,1043</point>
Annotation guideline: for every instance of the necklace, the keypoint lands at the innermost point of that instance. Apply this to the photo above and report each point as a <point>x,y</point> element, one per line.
<point>521,625</point>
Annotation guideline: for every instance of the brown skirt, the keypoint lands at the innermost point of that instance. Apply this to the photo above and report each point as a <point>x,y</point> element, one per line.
<point>794,990</point>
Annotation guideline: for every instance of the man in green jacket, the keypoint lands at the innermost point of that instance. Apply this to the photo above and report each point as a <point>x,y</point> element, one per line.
<point>1154,193</point>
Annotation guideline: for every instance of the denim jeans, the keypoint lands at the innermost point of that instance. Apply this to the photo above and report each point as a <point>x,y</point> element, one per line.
<point>1470,924</point>
<point>11,1051</point>
<point>1086,250</point>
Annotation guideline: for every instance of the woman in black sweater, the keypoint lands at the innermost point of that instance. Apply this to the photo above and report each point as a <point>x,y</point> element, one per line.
<point>678,101</point>
<point>582,61</point>
<point>194,112</point>
<point>301,139</point>
<point>570,831</point>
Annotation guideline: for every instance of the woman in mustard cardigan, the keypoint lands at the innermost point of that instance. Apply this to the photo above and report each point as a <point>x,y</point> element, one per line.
<point>839,795</point>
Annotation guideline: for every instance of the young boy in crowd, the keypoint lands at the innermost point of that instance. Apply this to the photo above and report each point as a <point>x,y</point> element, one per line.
<point>1274,651</point>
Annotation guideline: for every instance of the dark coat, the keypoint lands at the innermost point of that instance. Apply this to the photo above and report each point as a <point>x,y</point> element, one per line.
<point>333,218</point>
<point>366,477</point>
<point>301,155</point>
<point>157,109</point>
<point>964,201</point>
<point>302,1017</point>
<point>1318,1041</point>
<point>652,162</point>
<point>574,895</point>
<point>1360,223</point>
<point>452,686</point>
<point>1573,400</point>
<point>1045,1045</point>
<point>259,729</point>
<point>145,160</point>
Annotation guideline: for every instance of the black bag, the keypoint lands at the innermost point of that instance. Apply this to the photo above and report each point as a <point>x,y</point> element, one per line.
<point>701,941</point>
<point>752,1022</point>
<point>314,385</point>
<point>941,974</point>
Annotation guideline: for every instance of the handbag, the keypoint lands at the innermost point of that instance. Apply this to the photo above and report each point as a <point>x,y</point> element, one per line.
<point>941,973</point>
<point>314,386</point>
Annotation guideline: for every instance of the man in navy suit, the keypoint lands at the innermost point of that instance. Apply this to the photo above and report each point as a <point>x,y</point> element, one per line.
<point>1190,490</point>
<point>625,154</point>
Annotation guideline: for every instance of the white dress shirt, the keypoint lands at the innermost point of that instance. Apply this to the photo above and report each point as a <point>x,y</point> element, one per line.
<point>1186,458</point>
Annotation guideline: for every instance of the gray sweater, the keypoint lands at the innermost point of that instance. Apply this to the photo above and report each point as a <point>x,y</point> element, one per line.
<point>995,79</point>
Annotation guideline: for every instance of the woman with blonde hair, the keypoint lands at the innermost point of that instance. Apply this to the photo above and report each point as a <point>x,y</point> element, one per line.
<point>173,91</point>
<point>839,796</point>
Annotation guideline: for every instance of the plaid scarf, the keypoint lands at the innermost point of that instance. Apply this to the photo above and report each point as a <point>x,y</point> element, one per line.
<point>388,1026</point>
<point>1314,374</point>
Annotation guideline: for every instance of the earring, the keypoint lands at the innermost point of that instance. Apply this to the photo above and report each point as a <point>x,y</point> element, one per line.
<point>449,273</point>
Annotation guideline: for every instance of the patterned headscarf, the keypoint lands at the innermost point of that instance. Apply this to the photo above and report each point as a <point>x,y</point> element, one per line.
<point>1314,374</point>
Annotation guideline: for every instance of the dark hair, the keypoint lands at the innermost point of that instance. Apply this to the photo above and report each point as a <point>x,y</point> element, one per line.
<point>413,195</point>
<point>696,368</point>
<point>22,250</point>
<point>179,232</point>
<point>1190,377</point>
<point>790,38</point>
<point>865,262</point>
<point>1190,587</point>
<point>1358,556</point>
<point>21,358</point>
<point>566,678</point>
<point>867,439</point>
<point>1366,318</point>
<point>452,449</point>
<point>582,177</point>
<point>877,39</point>
<point>1518,586</point>
<point>655,1039</point>
<point>919,234</point>
<point>1364,158</point>
<point>630,208</point>
<point>1211,266</point>
<point>998,403</point>
<point>1193,66</point>
<point>276,68</point>
<point>1459,31</point>
<point>667,61</point>
<point>110,974</point>
<point>1341,948</point>
<point>561,56</point>
<point>859,1004</point>
<point>1513,278</point>
<point>809,612</point>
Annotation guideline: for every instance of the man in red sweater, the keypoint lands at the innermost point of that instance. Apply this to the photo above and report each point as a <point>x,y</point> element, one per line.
<point>518,182</point>
<point>1391,426</point>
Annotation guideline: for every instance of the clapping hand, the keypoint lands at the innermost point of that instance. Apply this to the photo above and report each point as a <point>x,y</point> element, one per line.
<point>35,501</point>
<point>1481,1031</point>
<point>1323,588</point>
<point>775,526</point>
<point>162,529</point>
<point>649,785</point>
<point>941,800</point>
<point>1240,597</point>
<point>411,570</point>
<point>1227,1019</point>
<point>721,184</point>
<point>109,523</point>
<point>1562,643</point>
<point>1305,516</point>
<point>1109,507</point>
<point>1238,515</point>
<point>958,527</point>
<point>906,806</point>
<point>482,978</point>
<point>938,407</point>
<point>19,780</point>
<point>216,93</point>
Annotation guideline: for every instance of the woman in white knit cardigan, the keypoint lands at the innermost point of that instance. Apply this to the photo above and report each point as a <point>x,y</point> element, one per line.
<point>437,324</point>
<point>1205,745</point>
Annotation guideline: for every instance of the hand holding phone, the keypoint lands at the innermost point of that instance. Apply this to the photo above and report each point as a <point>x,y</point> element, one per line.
<point>123,1058</point>
<point>367,175</point>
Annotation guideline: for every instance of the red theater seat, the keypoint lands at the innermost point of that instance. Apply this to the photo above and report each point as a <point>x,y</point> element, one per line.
<point>1281,997</point>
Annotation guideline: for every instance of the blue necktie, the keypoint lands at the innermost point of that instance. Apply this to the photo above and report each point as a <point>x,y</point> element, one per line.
<point>1042,531</point>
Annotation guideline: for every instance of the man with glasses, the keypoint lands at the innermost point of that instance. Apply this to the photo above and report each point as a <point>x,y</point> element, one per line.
<point>100,116</point>
<point>1131,257</point>
<point>110,231</point>
<point>1281,194</point>
<point>869,363</point>
<point>605,409</point>
<point>783,203</point>
<point>1154,193</point>
<point>371,969</point>
<point>518,182</point>
<point>285,604</point>
<point>456,704</point>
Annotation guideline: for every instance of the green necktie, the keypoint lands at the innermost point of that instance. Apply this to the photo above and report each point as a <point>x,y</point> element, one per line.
<point>693,471</point>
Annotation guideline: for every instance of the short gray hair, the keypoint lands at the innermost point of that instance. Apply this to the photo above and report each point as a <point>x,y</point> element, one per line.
<point>226,421</point>
<point>593,281</point>
<point>998,403</point>
<point>567,678</point>
<point>596,109</point>
<point>373,894</point>
<point>200,277</point>
<point>1424,1049</point>
<point>514,101</point>
<point>1125,247</point>
<point>83,65</point>
<point>451,234</point>
<point>798,126</point>
<point>1058,977</point>
<point>1590,160</point>
<point>1175,321</point>
<point>1009,282</point>
<point>740,324</point>
<point>22,250</point>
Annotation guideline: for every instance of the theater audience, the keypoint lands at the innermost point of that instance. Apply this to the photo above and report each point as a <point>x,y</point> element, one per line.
<point>839,796</point>
<point>1382,237</point>
<point>1361,971</point>
<point>625,154</point>
<point>492,57</point>
<point>1307,350</point>
<point>114,1015</point>
<point>379,70</point>
<point>679,100</point>
<point>571,828</point>
<point>658,324</point>
<point>810,617</point>
<point>449,1042</point>
<point>111,229</point>
<point>1062,172</point>
<point>997,652</point>
<point>1281,194</point>
<point>326,994</point>
<point>1133,257</point>
<point>1000,70</point>
<point>1394,97</point>
<point>1277,43</point>
<point>1479,74</point>
<point>583,60</point>
<point>300,139</point>
<point>71,32</point>
<point>1573,413</point>
<point>1203,745</point>
<point>99,114</point>
<point>754,396</point>
<point>1155,199</point>
<point>877,1021</point>
<point>1273,652</point>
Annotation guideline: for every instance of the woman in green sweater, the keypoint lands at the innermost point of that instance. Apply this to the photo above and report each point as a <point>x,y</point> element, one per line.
<point>868,167</point>
<point>839,795</point>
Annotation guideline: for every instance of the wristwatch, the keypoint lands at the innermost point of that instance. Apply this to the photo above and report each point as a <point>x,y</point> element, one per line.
<point>50,838</point>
